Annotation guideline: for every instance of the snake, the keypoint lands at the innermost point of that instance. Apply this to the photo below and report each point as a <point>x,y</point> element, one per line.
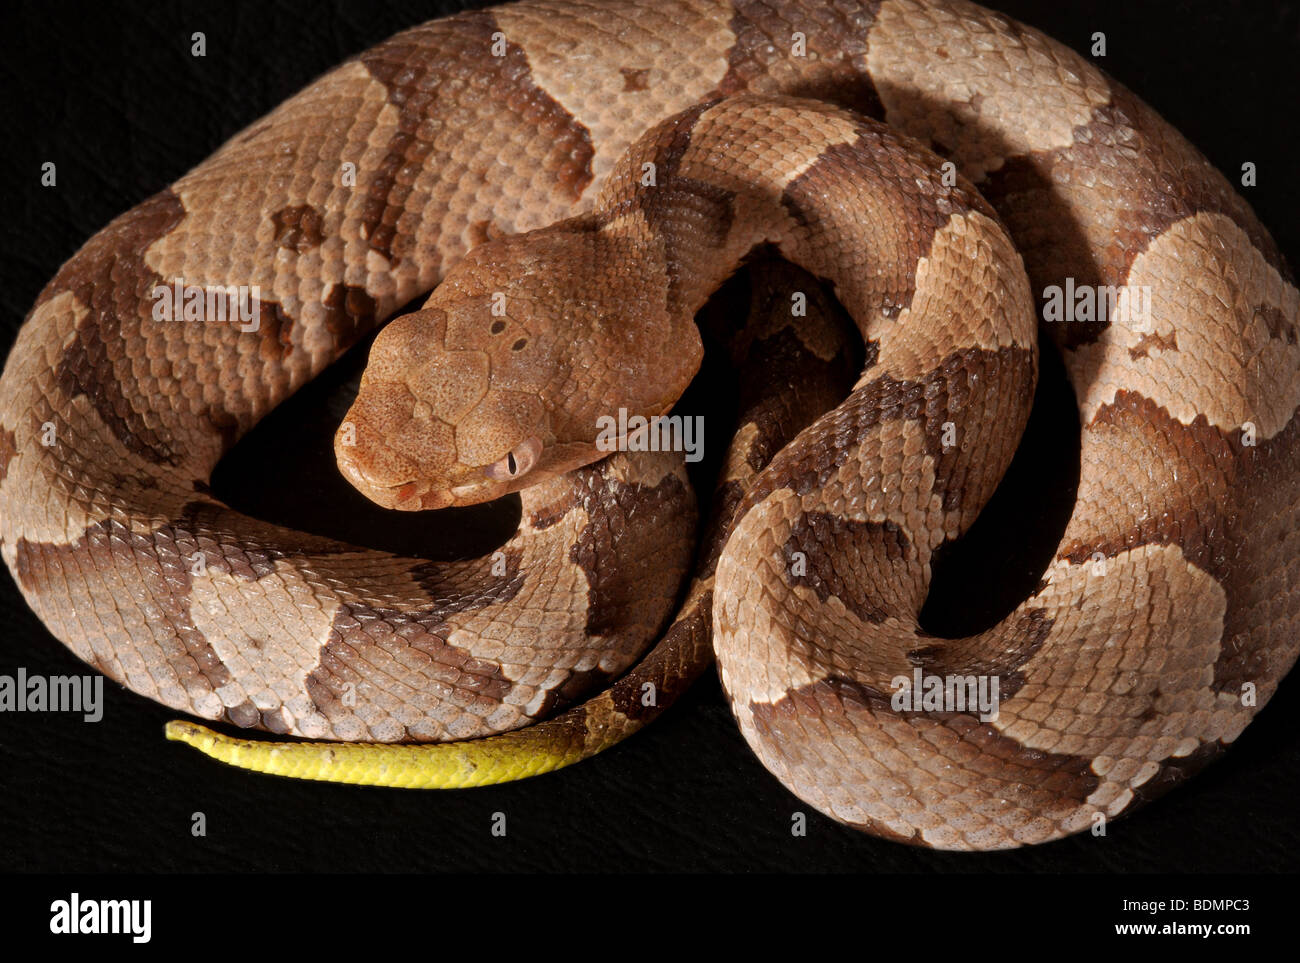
<point>565,184</point>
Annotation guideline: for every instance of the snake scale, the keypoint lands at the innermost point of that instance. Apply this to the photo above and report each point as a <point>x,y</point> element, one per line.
<point>572,180</point>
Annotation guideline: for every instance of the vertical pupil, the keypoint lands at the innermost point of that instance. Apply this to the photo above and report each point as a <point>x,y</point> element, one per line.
<point>511,465</point>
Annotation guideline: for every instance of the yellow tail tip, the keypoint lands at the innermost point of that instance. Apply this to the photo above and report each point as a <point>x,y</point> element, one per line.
<point>190,733</point>
<point>454,765</point>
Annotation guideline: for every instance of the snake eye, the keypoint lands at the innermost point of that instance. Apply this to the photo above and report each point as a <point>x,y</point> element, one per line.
<point>519,461</point>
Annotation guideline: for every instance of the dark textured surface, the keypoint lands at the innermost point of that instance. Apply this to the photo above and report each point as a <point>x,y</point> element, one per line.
<point>112,95</point>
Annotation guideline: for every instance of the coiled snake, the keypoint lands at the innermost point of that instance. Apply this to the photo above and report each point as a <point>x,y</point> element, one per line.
<point>572,181</point>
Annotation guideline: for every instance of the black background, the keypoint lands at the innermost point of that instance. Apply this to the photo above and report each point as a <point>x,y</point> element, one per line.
<point>110,92</point>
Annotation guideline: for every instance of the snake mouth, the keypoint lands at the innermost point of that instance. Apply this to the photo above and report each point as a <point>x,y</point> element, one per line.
<point>416,495</point>
<point>411,495</point>
<point>419,496</point>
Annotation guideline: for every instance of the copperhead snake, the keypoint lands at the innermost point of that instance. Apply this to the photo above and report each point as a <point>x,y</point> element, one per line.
<point>598,170</point>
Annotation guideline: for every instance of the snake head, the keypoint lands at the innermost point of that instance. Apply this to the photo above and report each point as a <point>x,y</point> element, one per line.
<point>501,380</point>
<point>430,427</point>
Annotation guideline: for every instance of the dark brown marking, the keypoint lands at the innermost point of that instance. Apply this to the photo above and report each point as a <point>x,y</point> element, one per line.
<point>921,204</point>
<point>443,68</point>
<point>160,561</point>
<point>350,313</point>
<point>272,720</point>
<point>1145,177</point>
<point>244,715</point>
<point>430,576</point>
<point>692,216</point>
<point>1174,771</point>
<point>835,702</point>
<point>833,68</point>
<point>498,327</point>
<point>1158,342</point>
<point>1279,327</point>
<point>828,545</point>
<point>1204,462</point>
<point>1019,638</point>
<point>87,370</point>
<point>1228,507</point>
<point>721,521</point>
<point>519,345</point>
<point>8,448</point>
<point>945,394</point>
<point>110,278</point>
<point>580,683</point>
<point>552,513</point>
<point>784,388</point>
<point>298,227</point>
<point>666,666</point>
<point>125,239</point>
<point>415,639</point>
<point>674,139</point>
<point>620,586</point>
<point>234,544</point>
<point>635,79</point>
<point>275,331</point>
